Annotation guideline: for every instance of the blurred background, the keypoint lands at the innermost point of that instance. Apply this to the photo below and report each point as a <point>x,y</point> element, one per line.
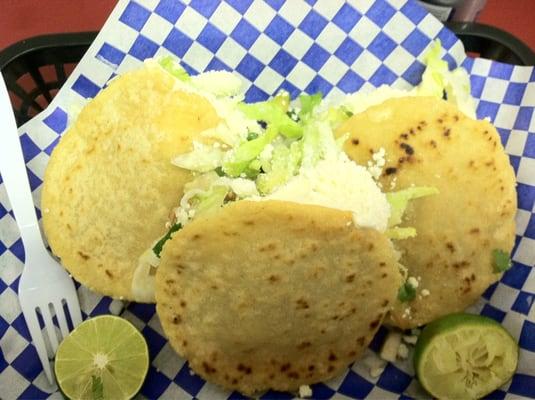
<point>21,19</point>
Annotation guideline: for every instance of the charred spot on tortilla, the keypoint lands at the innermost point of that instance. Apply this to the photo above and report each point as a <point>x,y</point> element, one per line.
<point>125,136</point>
<point>321,330</point>
<point>457,229</point>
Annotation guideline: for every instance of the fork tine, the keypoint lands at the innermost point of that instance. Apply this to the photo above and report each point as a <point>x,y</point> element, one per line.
<point>74,311</point>
<point>38,342</point>
<point>50,328</point>
<point>62,319</point>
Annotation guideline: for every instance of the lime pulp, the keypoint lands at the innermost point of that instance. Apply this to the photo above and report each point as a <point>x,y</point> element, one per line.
<point>464,356</point>
<point>105,357</point>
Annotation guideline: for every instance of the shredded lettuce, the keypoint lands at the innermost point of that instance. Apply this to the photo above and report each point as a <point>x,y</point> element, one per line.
<point>284,164</point>
<point>501,260</point>
<point>434,75</point>
<point>437,79</point>
<point>338,114</point>
<point>274,115</point>
<point>318,143</point>
<point>311,146</point>
<point>211,200</point>
<point>308,103</point>
<point>400,233</point>
<point>329,147</point>
<point>202,182</point>
<point>171,65</point>
<point>203,158</point>
<point>400,199</point>
<point>247,152</point>
<point>219,83</point>
<point>281,100</point>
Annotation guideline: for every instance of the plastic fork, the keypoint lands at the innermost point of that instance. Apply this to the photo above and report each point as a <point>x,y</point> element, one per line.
<point>44,287</point>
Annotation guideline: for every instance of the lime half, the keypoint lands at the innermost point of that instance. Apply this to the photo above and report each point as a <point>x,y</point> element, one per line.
<point>105,357</point>
<point>464,356</point>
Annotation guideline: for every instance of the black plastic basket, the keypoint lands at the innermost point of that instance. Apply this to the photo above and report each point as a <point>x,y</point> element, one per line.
<point>489,42</point>
<point>34,69</point>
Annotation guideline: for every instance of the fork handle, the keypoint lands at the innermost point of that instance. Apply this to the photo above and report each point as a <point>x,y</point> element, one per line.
<point>15,177</point>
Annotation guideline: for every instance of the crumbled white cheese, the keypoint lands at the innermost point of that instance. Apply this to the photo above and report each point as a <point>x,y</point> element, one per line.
<point>390,347</point>
<point>219,83</point>
<point>234,125</point>
<point>202,158</point>
<point>305,391</point>
<point>403,351</point>
<point>406,313</point>
<point>143,281</point>
<point>379,156</point>
<point>181,217</point>
<point>184,202</point>
<point>410,339</point>
<point>375,166</point>
<point>217,87</point>
<point>116,307</point>
<point>341,184</point>
<point>393,182</point>
<point>394,348</point>
<point>375,365</point>
<point>425,292</point>
<point>376,372</point>
<point>364,99</point>
<point>412,281</point>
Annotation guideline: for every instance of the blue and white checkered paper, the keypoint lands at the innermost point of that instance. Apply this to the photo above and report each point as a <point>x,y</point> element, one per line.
<point>325,45</point>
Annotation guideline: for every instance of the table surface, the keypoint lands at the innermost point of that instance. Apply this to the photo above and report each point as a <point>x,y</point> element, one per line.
<point>21,19</point>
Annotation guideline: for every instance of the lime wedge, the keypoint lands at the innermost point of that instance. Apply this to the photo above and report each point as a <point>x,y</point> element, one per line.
<point>464,356</point>
<point>105,357</point>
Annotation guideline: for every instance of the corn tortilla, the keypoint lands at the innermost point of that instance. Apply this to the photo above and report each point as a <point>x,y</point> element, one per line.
<point>273,294</point>
<point>110,184</point>
<point>429,142</point>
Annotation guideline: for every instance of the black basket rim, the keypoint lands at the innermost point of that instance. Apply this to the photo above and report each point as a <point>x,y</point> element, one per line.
<point>42,42</point>
<point>477,30</point>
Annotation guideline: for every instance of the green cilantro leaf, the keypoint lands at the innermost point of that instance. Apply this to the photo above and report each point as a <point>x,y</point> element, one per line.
<point>406,293</point>
<point>157,249</point>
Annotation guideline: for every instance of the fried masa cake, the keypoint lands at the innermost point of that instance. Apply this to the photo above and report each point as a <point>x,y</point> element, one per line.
<point>274,294</point>
<point>429,142</point>
<point>110,185</point>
